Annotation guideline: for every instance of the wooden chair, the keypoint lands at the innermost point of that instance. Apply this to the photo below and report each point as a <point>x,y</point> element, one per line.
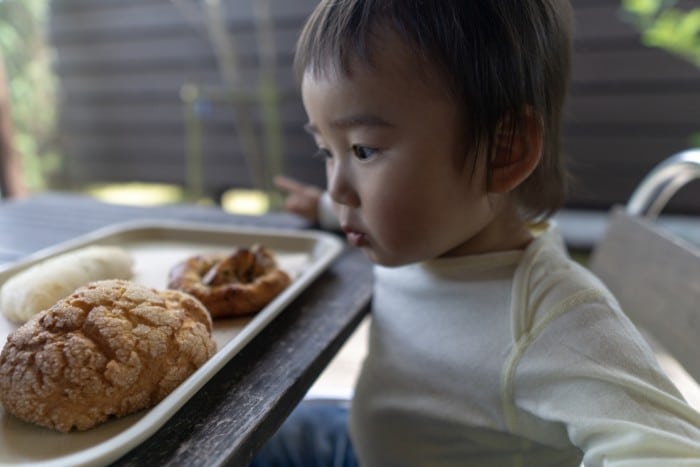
<point>655,274</point>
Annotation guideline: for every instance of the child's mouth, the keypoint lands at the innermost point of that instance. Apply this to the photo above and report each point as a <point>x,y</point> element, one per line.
<point>356,238</point>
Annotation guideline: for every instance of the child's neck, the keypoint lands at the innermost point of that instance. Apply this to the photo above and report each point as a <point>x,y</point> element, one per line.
<point>506,232</point>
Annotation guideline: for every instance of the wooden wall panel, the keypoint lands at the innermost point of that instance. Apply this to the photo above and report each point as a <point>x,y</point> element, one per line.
<point>629,108</point>
<point>122,64</point>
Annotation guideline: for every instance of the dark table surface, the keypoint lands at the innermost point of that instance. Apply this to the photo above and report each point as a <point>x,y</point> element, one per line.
<point>230,418</point>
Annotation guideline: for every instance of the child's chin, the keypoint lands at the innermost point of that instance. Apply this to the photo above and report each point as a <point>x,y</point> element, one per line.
<point>383,260</point>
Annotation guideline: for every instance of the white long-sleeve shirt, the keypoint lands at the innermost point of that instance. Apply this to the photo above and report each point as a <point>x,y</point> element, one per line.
<point>518,358</point>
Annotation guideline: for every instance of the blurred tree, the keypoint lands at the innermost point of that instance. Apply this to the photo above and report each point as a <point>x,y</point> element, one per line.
<point>663,24</point>
<point>31,88</point>
<point>264,152</point>
<point>11,183</point>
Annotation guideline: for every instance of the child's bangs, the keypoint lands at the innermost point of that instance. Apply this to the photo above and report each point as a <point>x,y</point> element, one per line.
<point>333,36</point>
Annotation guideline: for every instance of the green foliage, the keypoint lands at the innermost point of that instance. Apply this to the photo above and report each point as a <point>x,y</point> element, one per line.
<point>665,26</point>
<point>31,86</point>
<point>695,140</point>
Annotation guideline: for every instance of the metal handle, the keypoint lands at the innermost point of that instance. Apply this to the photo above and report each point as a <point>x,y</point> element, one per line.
<point>657,188</point>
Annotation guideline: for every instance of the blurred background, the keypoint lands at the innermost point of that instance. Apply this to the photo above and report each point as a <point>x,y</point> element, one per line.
<point>164,101</point>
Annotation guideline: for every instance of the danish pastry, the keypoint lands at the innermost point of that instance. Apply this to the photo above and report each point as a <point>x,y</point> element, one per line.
<point>238,284</point>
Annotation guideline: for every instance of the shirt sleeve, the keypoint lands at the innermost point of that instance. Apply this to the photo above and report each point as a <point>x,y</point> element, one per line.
<point>584,375</point>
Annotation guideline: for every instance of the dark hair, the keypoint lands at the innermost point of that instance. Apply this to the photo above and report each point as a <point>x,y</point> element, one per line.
<point>498,58</point>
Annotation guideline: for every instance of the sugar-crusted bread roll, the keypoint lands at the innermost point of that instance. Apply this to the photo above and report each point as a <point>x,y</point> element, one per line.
<point>109,349</point>
<point>40,286</point>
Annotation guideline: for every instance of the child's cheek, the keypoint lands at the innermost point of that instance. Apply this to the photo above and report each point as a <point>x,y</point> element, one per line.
<point>394,221</point>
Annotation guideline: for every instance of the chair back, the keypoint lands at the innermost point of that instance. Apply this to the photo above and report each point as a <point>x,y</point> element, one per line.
<point>654,274</point>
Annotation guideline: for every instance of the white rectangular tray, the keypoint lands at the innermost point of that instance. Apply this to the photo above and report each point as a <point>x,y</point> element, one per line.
<point>155,248</point>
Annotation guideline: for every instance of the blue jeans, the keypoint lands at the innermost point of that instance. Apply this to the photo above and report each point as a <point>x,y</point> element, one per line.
<point>314,435</point>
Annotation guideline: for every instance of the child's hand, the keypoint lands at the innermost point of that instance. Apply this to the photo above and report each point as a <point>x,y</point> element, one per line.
<point>302,199</point>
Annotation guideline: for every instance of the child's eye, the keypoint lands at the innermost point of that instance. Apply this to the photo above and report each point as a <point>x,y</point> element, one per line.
<point>363,153</point>
<point>322,153</point>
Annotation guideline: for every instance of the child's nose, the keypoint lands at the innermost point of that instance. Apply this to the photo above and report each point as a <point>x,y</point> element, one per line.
<point>341,186</point>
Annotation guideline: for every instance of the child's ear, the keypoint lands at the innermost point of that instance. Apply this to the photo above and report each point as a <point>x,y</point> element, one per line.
<point>517,151</point>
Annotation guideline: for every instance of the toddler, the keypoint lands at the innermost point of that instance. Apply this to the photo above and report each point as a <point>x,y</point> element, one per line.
<point>439,124</point>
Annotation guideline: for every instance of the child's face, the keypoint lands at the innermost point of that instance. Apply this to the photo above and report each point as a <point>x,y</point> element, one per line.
<point>392,138</point>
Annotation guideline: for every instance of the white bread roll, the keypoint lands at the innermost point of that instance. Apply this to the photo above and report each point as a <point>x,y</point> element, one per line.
<point>40,286</point>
